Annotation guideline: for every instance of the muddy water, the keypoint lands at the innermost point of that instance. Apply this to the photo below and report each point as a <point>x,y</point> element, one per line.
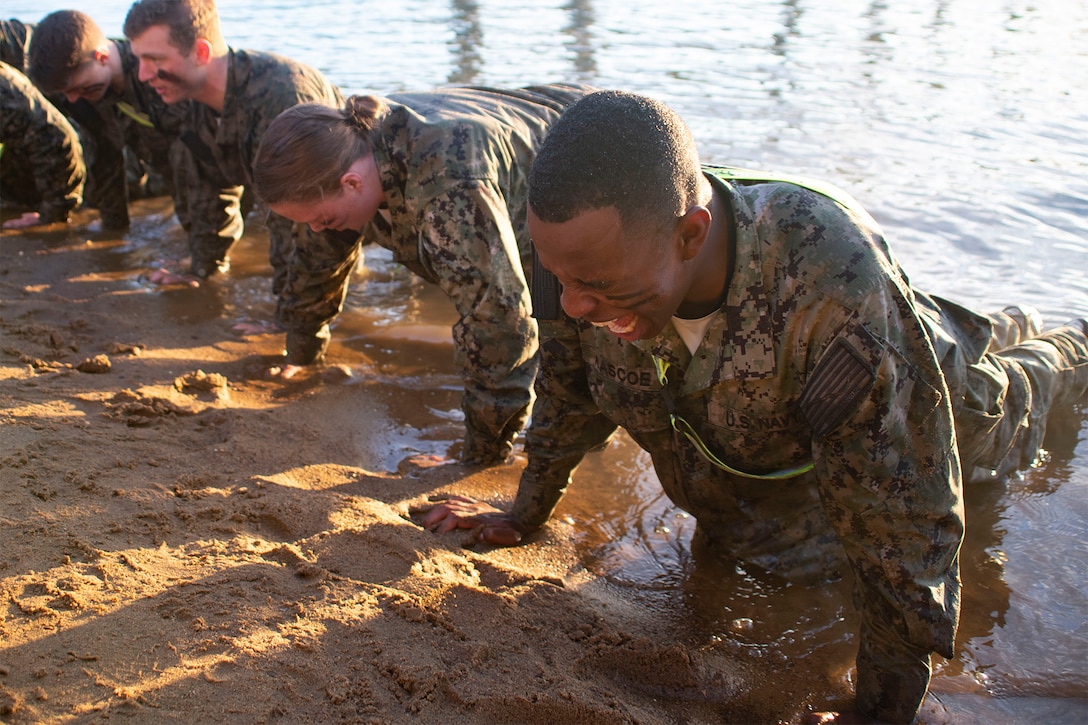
<point>960,124</point>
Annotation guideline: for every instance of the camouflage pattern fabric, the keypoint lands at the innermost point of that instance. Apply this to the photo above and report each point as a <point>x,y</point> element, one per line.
<point>42,163</point>
<point>135,118</point>
<point>15,43</point>
<point>1004,386</point>
<point>221,148</point>
<point>454,166</point>
<point>822,352</point>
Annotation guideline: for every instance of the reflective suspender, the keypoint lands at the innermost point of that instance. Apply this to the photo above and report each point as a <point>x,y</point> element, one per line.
<point>682,426</point>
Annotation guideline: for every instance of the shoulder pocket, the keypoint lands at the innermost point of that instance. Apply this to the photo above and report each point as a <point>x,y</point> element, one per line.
<point>840,381</point>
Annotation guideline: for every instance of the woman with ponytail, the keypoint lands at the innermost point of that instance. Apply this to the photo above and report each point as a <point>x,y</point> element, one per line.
<point>440,179</point>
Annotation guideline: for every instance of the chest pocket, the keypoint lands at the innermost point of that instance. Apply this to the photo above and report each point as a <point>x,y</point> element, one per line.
<point>760,426</point>
<point>624,385</point>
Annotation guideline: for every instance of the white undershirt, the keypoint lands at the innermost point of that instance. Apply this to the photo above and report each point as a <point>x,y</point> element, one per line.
<point>692,331</point>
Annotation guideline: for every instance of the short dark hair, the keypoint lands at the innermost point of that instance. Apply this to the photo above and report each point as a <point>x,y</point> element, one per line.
<point>618,149</point>
<point>186,19</point>
<point>60,44</point>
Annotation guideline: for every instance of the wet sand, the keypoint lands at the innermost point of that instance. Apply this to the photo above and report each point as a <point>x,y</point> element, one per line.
<point>186,540</point>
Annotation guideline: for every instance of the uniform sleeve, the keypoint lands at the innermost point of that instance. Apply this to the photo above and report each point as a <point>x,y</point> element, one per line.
<point>48,142</point>
<point>310,290</point>
<point>108,176</point>
<point>211,208</point>
<point>310,287</point>
<point>103,152</point>
<point>468,245</point>
<point>109,184</point>
<point>889,478</point>
<point>216,222</point>
<point>566,423</point>
<point>883,445</point>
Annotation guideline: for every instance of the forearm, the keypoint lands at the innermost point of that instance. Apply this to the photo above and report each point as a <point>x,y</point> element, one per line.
<point>892,674</point>
<point>555,444</point>
<point>901,524</point>
<point>495,345</point>
<point>314,283</point>
<point>57,203</point>
<point>59,175</point>
<point>107,190</point>
<point>215,224</point>
<point>495,413</point>
<point>566,423</point>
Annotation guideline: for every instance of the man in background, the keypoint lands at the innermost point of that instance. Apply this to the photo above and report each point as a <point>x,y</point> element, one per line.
<point>71,57</point>
<point>235,94</point>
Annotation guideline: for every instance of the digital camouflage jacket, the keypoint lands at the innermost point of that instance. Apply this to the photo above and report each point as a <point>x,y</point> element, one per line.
<point>837,405</point>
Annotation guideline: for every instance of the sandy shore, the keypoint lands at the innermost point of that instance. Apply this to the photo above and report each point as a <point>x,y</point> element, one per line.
<point>185,540</point>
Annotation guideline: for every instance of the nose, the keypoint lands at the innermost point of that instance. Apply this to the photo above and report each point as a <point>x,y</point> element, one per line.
<point>72,96</point>
<point>577,303</point>
<point>145,72</point>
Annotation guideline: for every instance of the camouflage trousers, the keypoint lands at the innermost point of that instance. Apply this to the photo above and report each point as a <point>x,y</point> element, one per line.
<point>1010,392</point>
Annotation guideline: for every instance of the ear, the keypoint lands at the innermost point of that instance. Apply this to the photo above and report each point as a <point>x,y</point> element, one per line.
<point>694,228</point>
<point>102,54</point>
<point>351,181</point>
<point>203,50</point>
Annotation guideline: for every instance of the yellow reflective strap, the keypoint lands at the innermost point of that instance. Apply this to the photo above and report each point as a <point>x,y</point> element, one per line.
<point>141,118</point>
<point>682,426</point>
<point>662,370</point>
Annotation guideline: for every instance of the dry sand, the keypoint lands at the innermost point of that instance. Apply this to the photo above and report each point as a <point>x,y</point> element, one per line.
<point>183,539</point>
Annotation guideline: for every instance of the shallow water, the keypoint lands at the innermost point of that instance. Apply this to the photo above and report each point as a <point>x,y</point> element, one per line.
<point>959,124</point>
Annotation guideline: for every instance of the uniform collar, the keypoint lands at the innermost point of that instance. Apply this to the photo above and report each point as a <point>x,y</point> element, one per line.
<point>741,340</point>
<point>390,144</point>
<point>239,69</point>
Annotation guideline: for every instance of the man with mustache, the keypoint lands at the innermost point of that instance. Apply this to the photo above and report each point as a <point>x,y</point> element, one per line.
<point>71,57</point>
<point>235,94</point>
<point>756,335</point>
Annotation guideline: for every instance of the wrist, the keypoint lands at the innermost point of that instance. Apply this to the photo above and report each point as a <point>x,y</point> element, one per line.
<point>306,346</point>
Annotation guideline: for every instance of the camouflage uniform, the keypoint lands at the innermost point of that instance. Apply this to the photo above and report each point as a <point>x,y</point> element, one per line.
<point>821,353</point>
<point>136,118</point>
<point>454,167</point>
<point>222,147</point>
<point>15,43</point>
<point>42,160</point>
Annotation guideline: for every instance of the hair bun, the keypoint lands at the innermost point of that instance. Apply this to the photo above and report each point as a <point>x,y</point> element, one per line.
<point>362,111</point>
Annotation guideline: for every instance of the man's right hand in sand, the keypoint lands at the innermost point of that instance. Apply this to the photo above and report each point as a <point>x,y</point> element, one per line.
<point>488,524</point>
